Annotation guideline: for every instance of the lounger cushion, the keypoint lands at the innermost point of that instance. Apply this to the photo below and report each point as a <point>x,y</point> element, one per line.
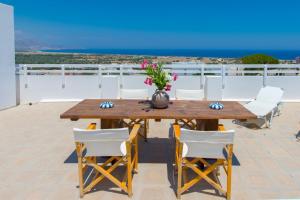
<point>260,109</point>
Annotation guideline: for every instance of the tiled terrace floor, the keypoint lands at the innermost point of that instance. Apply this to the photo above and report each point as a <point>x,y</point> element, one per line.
<point>37,163</point>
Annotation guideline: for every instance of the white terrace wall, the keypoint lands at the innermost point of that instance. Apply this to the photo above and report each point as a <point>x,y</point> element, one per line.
<point>75,82</point>
<point>69,85</point>
<point>7,58</point>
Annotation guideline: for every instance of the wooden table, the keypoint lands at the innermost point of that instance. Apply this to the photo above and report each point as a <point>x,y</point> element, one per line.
<point>207,119</point>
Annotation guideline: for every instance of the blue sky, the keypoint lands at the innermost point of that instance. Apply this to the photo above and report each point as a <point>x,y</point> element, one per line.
<point>196,24</point>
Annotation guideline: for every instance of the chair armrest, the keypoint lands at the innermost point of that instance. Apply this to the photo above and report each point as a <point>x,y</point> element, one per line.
<point>134,132</point>
<point>221,127</point>
<point>91,126</point>
<point>176,129</point>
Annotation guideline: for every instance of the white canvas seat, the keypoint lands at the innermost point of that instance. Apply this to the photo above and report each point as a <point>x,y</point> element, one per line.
<point>197,146</point>
<point>181,94</point>
<point>266,103</point>
<point>105,142</point>
<point>115,144</point>
<point>136,94</point>
<point>205,144</point>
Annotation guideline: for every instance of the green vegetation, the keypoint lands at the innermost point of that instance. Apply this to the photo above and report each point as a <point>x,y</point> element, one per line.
<point>77,58</point>
<point>53,58</point>
<point>259,59</point>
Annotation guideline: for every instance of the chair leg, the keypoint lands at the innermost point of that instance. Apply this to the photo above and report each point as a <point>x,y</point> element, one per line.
<point>129,170</point>
<point>80,177</point>
<point>136,150</point>
<point>179,179</point>
<point>179,169</point>
<point>129,183</point>
<point>271,118</point>
<point>229,172</point>
<point>175,158</point>
<point>278,110</point>
<point>80,168</point>
<point>146,127</point>
<point>266,122</point>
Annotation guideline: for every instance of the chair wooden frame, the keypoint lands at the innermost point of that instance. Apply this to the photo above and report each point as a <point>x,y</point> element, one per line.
<point>143,122</point>
<point>104,171</point>
<point>182,164</point>
<point>144,125</point>
<point>189,123</point>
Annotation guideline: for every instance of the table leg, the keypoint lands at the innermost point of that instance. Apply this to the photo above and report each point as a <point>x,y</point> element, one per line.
<point>207,124</point>
<point>110,123</point>
<point>146,130</point>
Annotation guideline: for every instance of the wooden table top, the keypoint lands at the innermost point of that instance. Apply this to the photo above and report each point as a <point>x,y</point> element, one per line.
<point>141,109</point>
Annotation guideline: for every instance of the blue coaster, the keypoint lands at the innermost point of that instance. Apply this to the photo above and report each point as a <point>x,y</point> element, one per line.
<point>216,106</point>
<point>106,104</point>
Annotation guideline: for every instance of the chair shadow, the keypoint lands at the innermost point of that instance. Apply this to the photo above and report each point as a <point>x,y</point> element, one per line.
<point>72,158</point>
<point>156,150</point>
<point>254,124</point>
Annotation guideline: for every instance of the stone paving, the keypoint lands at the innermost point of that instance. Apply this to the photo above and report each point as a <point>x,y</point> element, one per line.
<point>38,160</point>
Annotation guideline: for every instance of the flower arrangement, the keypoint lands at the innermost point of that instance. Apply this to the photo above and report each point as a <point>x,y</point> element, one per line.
<point>158,76</point>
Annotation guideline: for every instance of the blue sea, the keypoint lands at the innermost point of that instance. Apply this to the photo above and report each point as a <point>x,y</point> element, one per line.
<point>280,54</point>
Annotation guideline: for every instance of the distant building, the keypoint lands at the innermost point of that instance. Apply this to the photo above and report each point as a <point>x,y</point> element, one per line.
<point>298,60</point>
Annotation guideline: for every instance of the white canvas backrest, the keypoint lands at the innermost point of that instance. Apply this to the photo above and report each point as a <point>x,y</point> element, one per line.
<point>134,94</point>
<point>272,95</point>
<point>181,94</point>
<point>102,142</point>
<point>206,144</point>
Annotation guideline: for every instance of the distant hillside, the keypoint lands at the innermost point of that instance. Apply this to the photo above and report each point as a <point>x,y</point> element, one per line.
<point>76,58</point>
<point>63,58</point>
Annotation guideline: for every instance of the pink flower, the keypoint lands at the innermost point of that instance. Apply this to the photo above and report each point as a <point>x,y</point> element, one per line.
<point>144,64</point>
<point>168,87</point>
<point>154,66</point>
<point>148,81</point>
<point>175,76</point>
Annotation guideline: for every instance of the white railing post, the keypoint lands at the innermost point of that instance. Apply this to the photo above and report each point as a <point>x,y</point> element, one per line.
<point>99,75</point>
<point>223,76</point>
<point>63,76</point>
<point>243,71</point>
<point>202,76</point>
<point>265,75</point>
<point>121,76</point>
<point>25,76</point>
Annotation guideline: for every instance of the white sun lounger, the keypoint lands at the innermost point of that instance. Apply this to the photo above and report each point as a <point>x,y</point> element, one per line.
<point>134,94</point>
<point>181,94</point>
<point>266,103</point>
